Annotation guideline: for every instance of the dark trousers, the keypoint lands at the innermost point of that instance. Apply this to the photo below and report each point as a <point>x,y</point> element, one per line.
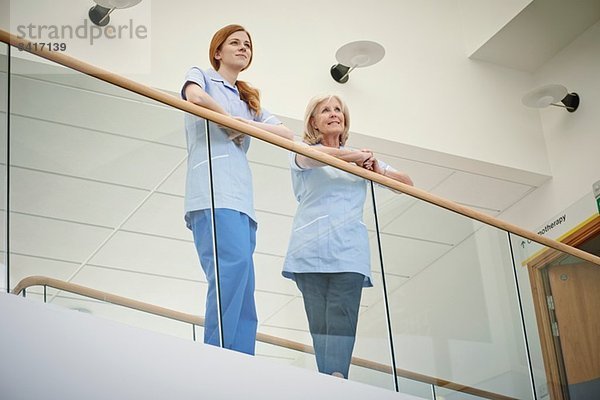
<point>332,301</point>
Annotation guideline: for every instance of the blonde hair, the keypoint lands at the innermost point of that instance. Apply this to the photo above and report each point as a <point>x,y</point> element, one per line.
<point>248,93</point>
<point>312,136</point>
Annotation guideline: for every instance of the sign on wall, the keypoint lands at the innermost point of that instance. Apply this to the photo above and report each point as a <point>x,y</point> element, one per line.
<point>564,223</point>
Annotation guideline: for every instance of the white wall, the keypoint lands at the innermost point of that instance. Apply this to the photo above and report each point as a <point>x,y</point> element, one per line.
<point>483,18</point>
<point>50,352</point>
<point>572,140</point>
<point>572,143</point>
<point>4,14</point>
<point>425,92</point>
<point>3,154</point>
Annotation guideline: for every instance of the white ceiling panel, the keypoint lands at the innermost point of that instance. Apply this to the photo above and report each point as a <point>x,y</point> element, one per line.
<point>273,190</point>
<point>3,137</point>
<point>24,266</point>
<point>388,204</point>
<point>372,341</point>
<point>175,184</point>
<point>438,292</point>
<point>177,294</point>
<point>150,254</point>
<point>481,191</point>
<point>71,199</point>
<point>2,232</point>
<point>160,215</point>
<point>292,316</point>
<point>3,90</point>
<point>289,357</point>
<point>405,257</point>
<point>62,76</point>
<point>53,238</point>
<point>273,233</point>
<point>266,153</point>
<point>374,295</point>
<point>297,335</point>
<point>268,304</point>
<point>127,316</point>
<point>425,176</point>
<point>427,222</point>
<point>84,153</point>
<point>3,190</point>
<point>111,114</point>
<point>268,275</point>
<point>386,198</point>
<point>278,353</point>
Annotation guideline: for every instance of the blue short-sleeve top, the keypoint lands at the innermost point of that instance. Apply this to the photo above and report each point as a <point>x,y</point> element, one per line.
<point>232,178</point>
<point>328,232</point>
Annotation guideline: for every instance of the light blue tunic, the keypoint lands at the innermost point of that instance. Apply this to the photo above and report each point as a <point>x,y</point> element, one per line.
<point>328,233</point>
<point>232,177</point>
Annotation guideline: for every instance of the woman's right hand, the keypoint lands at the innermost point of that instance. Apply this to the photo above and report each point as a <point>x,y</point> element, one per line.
<point>365,159</point>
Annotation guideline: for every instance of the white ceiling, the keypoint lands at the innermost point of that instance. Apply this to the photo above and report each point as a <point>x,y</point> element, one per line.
<point>96,197</point>
<point>538,33</point>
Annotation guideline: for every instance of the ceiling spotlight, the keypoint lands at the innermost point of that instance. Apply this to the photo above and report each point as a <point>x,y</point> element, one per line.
<point>355,55</point>
<point>99,14</point>
<point>550,95</point>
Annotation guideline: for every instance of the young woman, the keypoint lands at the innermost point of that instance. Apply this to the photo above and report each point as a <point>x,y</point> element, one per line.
<point>220,90</point>
<point>328,253</point>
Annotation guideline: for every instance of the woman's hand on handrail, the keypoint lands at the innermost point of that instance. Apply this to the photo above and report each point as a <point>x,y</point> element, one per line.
<point>279,130</point>
<point>195,94</point>
<point>386,170</point>
<point>357,157</point>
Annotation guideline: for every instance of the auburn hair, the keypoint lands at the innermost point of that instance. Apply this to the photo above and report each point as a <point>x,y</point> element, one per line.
<point>248,93</point>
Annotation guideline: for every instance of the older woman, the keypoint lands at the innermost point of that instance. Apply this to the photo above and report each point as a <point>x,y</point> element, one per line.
<point>328,254</point>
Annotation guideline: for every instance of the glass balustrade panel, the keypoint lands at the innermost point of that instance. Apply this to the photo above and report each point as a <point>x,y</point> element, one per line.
<point>305,231</point>
<point>97,190</point>
<point>121,314</point>
<point>3,170</point>
<point>454,309</point>
<point>560,298</point>
<point>98,177</point>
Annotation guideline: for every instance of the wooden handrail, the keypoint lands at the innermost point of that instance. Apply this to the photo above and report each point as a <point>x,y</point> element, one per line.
<point>170,100</point>
<point>261,337</point>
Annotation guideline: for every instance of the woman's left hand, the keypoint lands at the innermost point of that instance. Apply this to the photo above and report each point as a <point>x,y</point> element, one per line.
<point>377,168</point>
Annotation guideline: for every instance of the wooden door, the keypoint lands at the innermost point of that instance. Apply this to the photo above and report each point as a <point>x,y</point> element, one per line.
<point>571,359</point>
<point>575,290</point>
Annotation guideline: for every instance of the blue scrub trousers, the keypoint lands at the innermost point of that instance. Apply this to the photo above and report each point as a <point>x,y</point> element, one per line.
<point>332,301</point>
<point>236,240</point>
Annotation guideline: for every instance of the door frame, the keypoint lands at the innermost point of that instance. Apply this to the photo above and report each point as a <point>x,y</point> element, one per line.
<point>588,230</point>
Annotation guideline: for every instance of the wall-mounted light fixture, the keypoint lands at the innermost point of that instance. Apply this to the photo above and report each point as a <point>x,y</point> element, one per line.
<point>550,95</point>
<point>355,55</point>
<point>99,14</point>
